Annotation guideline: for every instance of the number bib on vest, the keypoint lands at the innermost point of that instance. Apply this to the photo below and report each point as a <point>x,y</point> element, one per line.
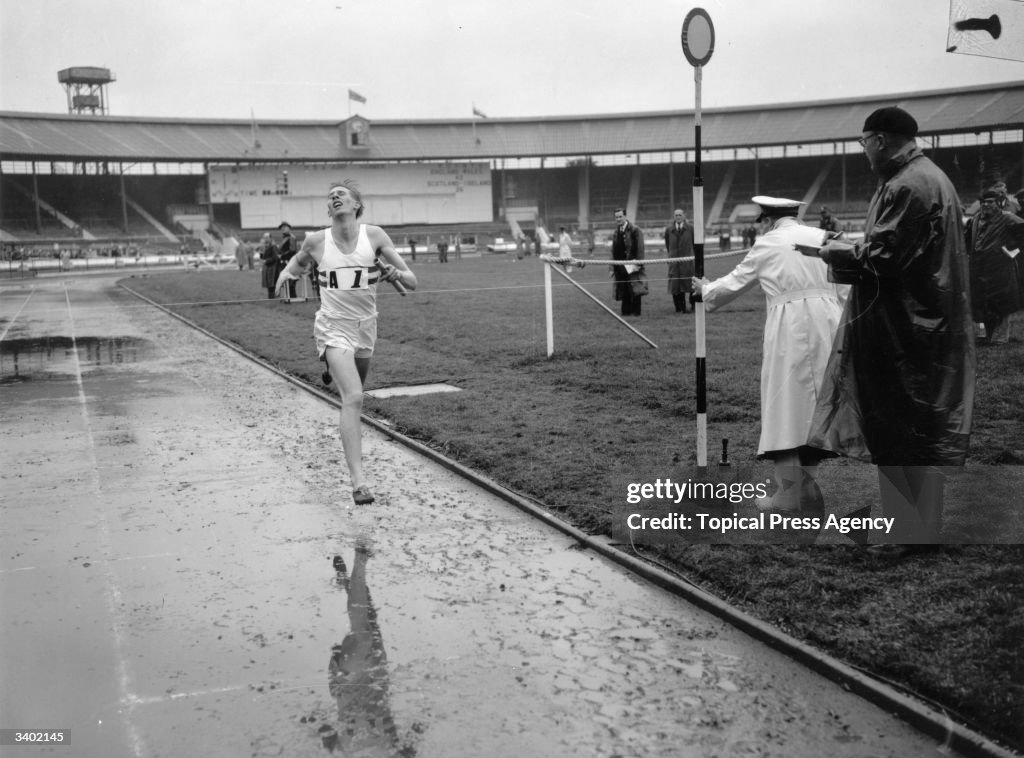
<point>348,278</point>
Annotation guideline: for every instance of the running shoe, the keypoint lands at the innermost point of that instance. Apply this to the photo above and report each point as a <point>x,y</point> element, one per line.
<point>362,495</point>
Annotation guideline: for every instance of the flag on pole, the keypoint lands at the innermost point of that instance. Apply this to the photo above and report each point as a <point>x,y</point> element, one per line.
<point>353,95</point>
<point>478,112</point>
<point>254,129</point>
<point>991,28</point>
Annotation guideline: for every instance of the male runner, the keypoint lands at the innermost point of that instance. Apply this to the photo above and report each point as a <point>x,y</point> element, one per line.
<point>346,325</point>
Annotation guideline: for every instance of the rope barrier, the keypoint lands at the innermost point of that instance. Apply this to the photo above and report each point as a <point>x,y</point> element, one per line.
<point>580,262</point>
<point>41,284</point>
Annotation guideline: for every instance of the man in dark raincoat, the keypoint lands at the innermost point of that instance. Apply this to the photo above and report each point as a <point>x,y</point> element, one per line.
<point>627,245</point>
<point>899,388</point>
<point>994,237</point>
<point>679,244</point>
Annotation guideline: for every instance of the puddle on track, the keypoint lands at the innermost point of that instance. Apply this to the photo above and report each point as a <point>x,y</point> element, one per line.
<point>52,358</point>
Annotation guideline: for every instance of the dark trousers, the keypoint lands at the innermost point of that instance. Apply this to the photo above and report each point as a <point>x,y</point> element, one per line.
<point>680,302</point>
<point>630,302</point>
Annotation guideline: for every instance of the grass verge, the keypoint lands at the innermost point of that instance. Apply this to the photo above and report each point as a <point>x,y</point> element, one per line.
<point>606,410</point>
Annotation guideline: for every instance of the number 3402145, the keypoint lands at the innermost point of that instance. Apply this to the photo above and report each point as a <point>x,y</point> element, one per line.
<point>23,736</point>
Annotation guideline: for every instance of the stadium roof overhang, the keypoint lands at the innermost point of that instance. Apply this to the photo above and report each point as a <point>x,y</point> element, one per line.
<point>59,137</point>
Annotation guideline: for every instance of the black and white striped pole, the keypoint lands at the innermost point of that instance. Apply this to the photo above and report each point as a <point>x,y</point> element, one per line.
<point>698,39</point>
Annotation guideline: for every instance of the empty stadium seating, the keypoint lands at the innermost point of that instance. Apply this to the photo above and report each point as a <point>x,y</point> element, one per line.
<point>79,205</point>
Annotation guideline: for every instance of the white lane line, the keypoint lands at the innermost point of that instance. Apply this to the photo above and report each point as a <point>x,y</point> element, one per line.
<point>15,316</point>
<point>264,688</point>
<point>61,567</point>
<point>136,700</point>
<point>113,598</point>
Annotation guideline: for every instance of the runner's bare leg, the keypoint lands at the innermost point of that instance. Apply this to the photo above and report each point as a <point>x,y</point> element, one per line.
<point>349,373</point>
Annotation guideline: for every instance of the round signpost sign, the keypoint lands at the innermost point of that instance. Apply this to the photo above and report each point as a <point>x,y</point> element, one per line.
<point>698,37</point>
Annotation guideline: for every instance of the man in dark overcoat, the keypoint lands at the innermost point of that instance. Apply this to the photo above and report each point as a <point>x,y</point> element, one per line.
<point>627,245</point>
<point>679,244</point>
<point>899,388</point>
<point>994,240</point>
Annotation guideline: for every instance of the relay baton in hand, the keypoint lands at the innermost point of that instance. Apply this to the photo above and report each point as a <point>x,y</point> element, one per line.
<point>396,284</point>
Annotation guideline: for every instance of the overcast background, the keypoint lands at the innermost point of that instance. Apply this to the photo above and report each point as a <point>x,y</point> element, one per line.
<point>412,59</point>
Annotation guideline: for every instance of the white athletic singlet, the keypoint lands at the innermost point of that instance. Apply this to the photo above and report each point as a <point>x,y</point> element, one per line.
<point>348,283</point>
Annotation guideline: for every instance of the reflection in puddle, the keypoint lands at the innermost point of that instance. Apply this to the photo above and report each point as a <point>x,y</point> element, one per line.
<point>358,675</point>
<point>53,357</point>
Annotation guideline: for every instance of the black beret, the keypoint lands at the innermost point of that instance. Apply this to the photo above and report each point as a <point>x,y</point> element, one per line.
<point>892,120</point>
<point>283,224</point>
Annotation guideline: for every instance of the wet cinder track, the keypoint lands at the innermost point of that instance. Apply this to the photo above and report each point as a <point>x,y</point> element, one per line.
<point>183,574</point>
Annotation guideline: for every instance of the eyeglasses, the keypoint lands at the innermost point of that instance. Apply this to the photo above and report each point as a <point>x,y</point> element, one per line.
<point>864,140</point>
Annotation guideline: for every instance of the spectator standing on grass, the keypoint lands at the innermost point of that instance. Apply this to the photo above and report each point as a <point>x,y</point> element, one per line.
<point>753,230</point>
<point>286,251</point>
<point>346,254</point>
<point>231,248</point>
<point>1019,259</point>
<point>994,240</point>
<point>1007,202</point>
<point>442,251</point>
<point>724,239</point>
<point>827,221</point>
<point>412,250</point>
<point>679,244</point>
<point>899,390</point>
<point>314,278</point>
<point>627,245</point>
<point>803,313</point>
<point>271,265</point>
<point>564,247</point>
<point>564,243</point>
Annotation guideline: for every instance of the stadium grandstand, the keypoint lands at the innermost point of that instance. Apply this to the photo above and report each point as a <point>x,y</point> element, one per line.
<point>104,182</point>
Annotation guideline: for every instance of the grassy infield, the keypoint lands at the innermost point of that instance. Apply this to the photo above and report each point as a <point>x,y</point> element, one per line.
<point>573,430</point>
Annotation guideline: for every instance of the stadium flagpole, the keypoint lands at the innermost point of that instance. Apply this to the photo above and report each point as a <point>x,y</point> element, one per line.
<point>698,38</point>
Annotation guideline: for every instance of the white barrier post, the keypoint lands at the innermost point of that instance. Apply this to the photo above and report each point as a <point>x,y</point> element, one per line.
<point>548,310</point>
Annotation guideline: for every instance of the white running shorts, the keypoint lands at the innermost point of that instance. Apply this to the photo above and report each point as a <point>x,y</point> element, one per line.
<point>347,334</point>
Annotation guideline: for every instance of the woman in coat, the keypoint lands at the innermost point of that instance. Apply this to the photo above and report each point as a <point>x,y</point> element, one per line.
<point>271,261</point>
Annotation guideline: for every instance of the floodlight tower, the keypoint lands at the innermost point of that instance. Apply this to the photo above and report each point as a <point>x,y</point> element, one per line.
<point>86,88</point>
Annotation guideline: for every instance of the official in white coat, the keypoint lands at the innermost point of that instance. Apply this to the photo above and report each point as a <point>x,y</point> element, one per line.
<point>803,313</point>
